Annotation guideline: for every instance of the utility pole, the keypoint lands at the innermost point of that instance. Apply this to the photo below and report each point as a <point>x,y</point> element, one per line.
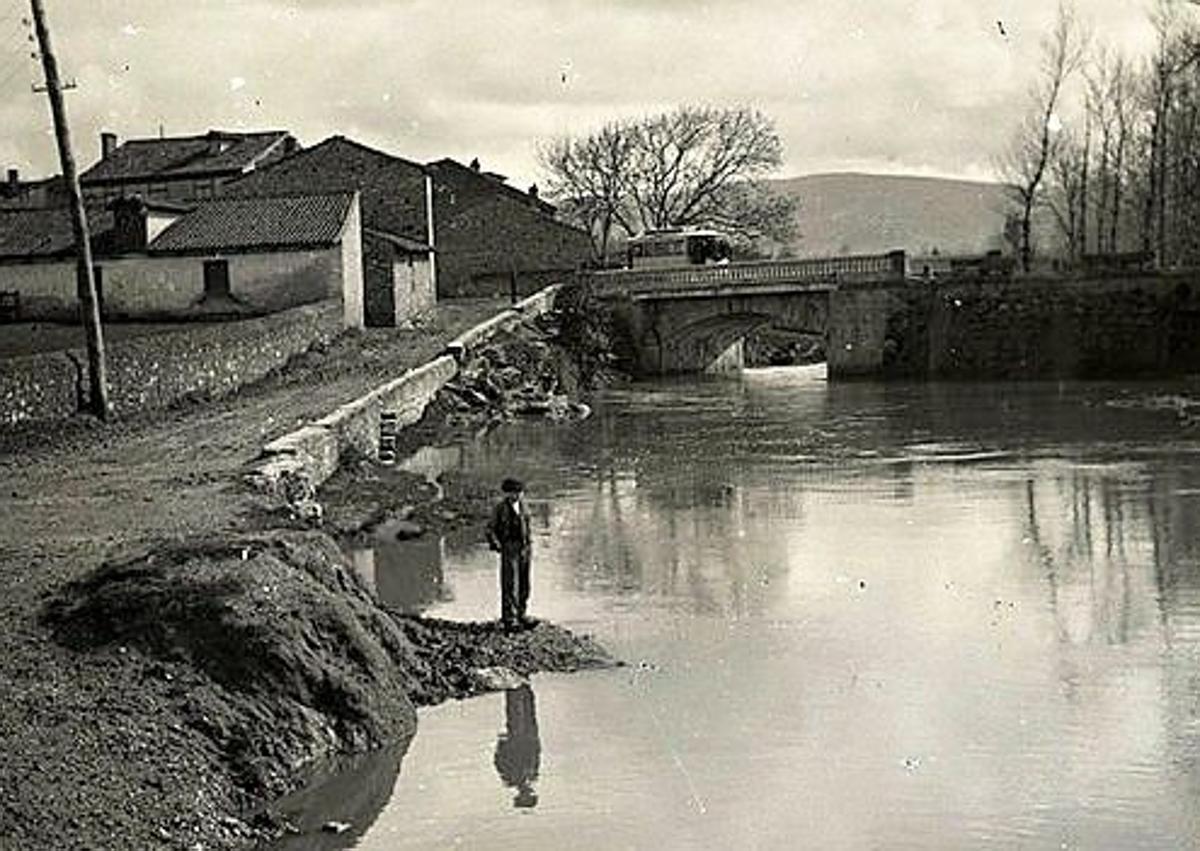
<point>85,284</point>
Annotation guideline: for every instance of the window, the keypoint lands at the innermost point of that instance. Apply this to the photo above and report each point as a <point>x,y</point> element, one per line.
<point>202,189</point>
<point>216,279</point>
<point>158,190</point>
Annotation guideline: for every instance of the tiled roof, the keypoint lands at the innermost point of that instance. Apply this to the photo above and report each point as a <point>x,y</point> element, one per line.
<point>243,224</point>
<point>180,156</point>
<point>32,233</point>
<point>392,189</point>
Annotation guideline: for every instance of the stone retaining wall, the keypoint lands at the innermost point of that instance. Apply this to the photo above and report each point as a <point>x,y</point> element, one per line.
<point>207,359</point>
<point>37,387</point>
<point>294,465</point>
<point>1025,329</point>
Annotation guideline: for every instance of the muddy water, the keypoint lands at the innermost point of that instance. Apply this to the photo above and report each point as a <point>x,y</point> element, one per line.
<point>857,616</point>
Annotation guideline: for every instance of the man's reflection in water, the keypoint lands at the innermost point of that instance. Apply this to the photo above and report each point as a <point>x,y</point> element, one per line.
<point>518,749</point>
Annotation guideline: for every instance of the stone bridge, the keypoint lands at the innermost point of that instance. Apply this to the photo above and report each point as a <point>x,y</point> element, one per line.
<point>693,319</point>
<point>975,322</point>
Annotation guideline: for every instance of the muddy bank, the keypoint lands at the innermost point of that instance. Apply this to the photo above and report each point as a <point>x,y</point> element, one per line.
<point>266,656</point>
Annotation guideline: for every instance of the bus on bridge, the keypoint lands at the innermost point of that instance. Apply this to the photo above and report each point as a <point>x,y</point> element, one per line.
<point>665,247</point>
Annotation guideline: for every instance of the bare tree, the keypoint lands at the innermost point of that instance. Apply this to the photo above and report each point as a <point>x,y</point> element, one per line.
<point>1025,165</point>
<point>588,178</point>
<point>1177,51</point>
<point>1101,114</point>
<point>691,166</point>
<point>1119,92</point>
<point>1067,193</point>
<point>1111,108</point>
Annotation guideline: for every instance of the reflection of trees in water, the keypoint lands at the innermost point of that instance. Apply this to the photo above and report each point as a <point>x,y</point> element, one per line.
<point>1117,548</point>
<point>680,534</point>
<point>1173,501</point>
<point>1092,550</point>
<point>1119,552</point>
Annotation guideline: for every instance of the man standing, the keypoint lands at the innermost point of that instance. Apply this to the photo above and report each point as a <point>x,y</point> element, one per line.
<point>508,534</point>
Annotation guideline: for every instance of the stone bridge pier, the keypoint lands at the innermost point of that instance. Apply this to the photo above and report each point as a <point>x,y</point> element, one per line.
<point>675,333</point>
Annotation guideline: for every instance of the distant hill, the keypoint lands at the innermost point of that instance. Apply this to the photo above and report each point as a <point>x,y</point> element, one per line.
<point>868,213</point>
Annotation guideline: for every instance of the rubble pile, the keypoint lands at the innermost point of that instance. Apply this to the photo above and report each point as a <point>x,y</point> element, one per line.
<point>523,374</point>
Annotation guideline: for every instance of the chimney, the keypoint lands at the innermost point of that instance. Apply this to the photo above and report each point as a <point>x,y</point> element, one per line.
<point>533,190</point>
<point>129,225</point>
<point>108,144</point>
<point>218,142</point>
<point>14,181</point>
<point>475,164</point>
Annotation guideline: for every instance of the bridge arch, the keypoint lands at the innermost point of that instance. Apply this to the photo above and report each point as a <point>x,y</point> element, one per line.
<point>708,343</point>
<point>675,335</point>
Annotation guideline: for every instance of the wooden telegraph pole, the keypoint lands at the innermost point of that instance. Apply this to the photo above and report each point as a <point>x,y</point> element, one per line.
<point>85,283</point>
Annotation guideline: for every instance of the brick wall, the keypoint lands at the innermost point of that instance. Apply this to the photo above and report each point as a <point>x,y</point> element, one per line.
<point>154,371</point>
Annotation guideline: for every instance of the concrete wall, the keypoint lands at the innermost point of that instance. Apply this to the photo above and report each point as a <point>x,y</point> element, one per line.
<point>314,452</point>
<point>1019,329</point>
<point>154,371</point>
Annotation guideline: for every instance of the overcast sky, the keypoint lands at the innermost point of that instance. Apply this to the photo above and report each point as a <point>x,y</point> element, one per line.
<point>919,86</point>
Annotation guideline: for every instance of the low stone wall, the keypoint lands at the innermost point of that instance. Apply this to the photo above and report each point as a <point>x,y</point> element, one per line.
<point>37,387</point>
<point>154,371</point>
<point>293,465</point>
<point>356,426</point>
<point>1025,329</point>
<point>540,302</point>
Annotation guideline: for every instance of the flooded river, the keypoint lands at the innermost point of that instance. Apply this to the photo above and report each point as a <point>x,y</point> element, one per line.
<point>855,616</point>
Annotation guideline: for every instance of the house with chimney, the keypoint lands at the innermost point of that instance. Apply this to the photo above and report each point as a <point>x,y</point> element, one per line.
<point>399,261</point>
<point>225,257</point>
<point>180,168</point>
<point>494,239</point>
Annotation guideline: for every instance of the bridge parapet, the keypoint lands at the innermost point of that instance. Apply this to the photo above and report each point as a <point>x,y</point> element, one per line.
<point>821,270</point>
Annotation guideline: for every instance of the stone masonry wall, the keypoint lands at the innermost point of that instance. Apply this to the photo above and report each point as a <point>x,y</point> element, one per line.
<point>37,387</point>
<point>154,371</point>
<point>1019,329</point>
